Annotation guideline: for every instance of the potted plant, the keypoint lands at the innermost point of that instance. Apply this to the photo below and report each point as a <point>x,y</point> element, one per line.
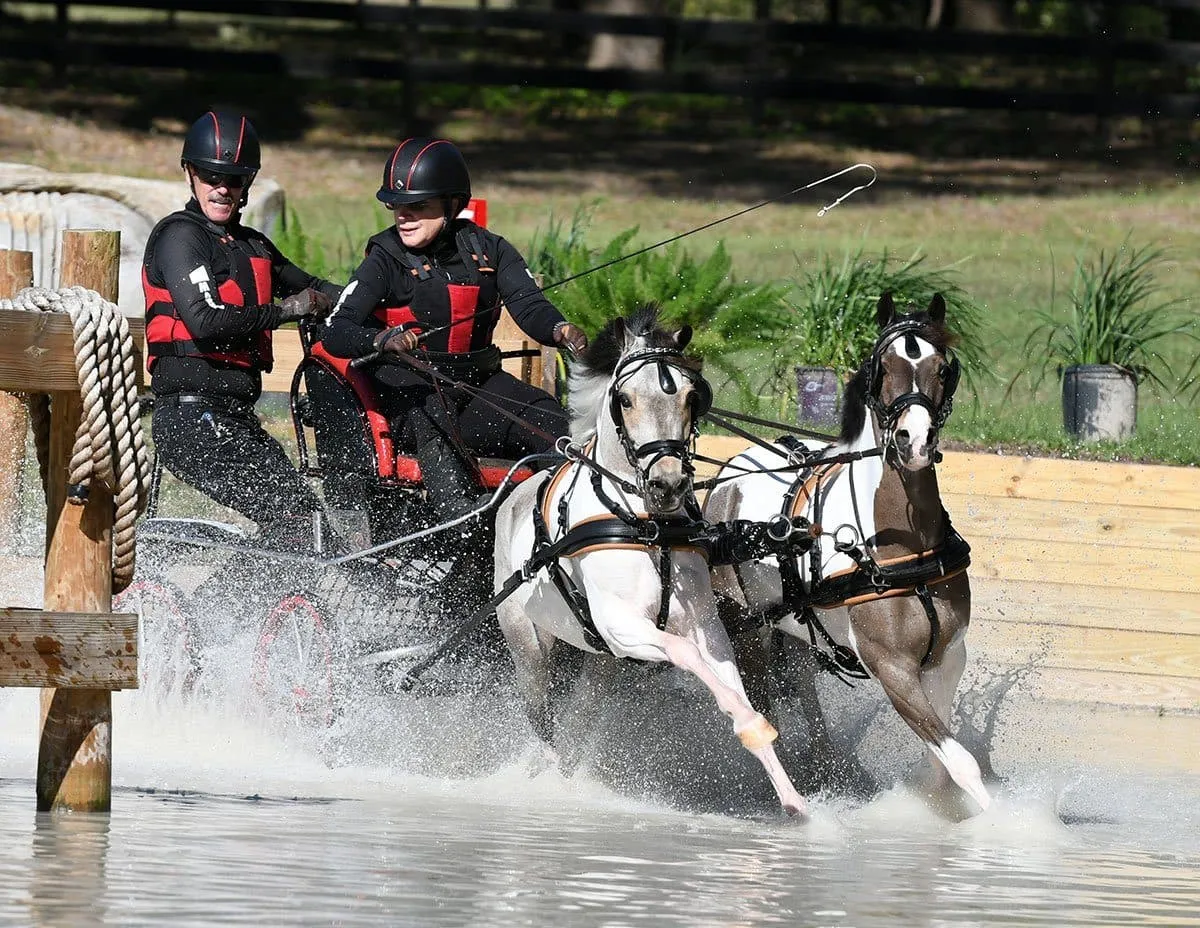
<point>832,323</point>
<point>1109,341</point>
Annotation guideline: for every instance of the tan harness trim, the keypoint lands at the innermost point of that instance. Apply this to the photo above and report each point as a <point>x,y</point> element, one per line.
<point>559,475</point>
<point>802,498</point>
<point>886,594</point>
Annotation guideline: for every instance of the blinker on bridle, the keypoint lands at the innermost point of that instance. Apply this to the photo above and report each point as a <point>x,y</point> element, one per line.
<point>888,415</point>
<point>666,359</point>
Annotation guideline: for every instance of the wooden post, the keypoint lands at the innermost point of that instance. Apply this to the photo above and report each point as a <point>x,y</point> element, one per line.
<point>16,273</point>
<point>75,750</point>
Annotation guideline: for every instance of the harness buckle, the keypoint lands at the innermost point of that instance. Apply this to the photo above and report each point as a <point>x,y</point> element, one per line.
<point>845,547</point>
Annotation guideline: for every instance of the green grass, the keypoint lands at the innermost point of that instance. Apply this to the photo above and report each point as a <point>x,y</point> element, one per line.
<point>1003,249</point>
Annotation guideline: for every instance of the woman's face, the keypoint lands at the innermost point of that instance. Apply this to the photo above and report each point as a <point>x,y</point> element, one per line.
<point>420,223</point>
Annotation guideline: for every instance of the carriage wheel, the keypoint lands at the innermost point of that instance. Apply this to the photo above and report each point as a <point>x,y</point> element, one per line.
<point>293,662</point>
<point>167,664</point>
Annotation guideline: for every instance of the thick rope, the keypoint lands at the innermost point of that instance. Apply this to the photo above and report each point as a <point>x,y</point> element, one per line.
<point>109,444</point>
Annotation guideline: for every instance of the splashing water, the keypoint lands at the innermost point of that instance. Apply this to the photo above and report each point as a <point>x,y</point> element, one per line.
<point>440,810</point>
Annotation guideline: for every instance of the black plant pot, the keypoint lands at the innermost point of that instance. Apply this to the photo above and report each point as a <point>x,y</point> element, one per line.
<point>819,403</point>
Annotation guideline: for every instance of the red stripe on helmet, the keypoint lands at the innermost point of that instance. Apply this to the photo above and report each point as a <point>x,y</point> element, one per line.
<point>412,167</point>
<point>216,135</point>
<point>392,166</point>
<point>241,135</point>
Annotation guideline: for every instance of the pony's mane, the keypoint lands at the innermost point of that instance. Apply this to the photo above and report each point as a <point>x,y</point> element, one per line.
<point>854,399</point>
<point>588,380</point>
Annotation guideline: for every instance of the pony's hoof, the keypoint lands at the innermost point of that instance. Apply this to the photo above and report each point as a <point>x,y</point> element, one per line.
<point>796,810</point>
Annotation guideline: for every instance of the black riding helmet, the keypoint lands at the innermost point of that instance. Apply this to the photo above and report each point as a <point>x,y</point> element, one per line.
<point>421,169</point>
<point>222,143</point>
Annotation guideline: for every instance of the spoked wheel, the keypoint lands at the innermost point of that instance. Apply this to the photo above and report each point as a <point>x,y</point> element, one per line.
<point>293,663</point>
<point>167,663</point>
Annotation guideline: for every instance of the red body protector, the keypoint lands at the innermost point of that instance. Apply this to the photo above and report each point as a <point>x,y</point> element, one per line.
<point>249,285</point>
<point>464,302</point>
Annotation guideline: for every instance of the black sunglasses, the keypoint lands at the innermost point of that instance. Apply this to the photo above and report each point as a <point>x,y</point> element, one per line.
<point>213,179</point>
<point>419,207</point>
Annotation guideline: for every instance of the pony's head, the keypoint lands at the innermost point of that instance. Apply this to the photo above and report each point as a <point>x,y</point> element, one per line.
<point>907,383</point>
<point>633,388</point>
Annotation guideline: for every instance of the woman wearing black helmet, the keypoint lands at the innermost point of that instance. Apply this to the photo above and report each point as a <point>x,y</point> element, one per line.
<point>211,286</point>
<point>431,272</point>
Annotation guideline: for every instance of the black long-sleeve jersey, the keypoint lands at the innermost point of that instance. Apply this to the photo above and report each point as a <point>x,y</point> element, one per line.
<point>191,257</point>
<point>470,256</point>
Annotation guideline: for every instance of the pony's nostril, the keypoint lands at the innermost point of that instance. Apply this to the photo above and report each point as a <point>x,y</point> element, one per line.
<point>902,439</point>
<point>664,485</point>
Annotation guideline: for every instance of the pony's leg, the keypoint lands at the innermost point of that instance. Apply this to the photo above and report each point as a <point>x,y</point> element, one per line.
<point>707,654</point>
<point>750,651</point>
<point>891,637</point>
<point>752,728</point>
<point>532,668</point>
<point>828,765</point>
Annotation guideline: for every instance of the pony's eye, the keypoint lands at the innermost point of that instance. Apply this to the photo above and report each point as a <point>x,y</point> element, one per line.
<point>626,402</point>
<point>943,372</point>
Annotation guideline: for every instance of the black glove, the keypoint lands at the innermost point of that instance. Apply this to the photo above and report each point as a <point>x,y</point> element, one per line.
<point>304,304</point>
<point>570,335</point>
<point>399,339</point>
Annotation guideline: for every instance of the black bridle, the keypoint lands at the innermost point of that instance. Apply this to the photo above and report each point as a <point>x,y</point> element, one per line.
<point>666,359</point>
<point>889,415</point>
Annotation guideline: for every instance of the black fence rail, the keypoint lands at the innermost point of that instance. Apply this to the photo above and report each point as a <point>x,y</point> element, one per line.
<point>1114,71</point>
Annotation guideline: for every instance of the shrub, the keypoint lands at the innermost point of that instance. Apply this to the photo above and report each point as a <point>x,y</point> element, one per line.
<point>1117,315</point>
<point>831,313</point>
<point>730,317</point>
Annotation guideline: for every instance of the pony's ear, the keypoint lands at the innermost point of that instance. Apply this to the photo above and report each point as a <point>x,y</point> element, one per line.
<point>682,337</point>
<point>618,331</point>
<point>885,310</point>
<point>937,309</point>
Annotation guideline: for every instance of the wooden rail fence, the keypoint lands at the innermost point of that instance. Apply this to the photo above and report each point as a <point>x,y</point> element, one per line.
<point>1089,572</point>
<point>1113,70</point>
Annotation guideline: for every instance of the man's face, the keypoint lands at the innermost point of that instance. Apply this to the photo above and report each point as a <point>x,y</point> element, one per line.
<point>217,194</point>
<point>419,223</point>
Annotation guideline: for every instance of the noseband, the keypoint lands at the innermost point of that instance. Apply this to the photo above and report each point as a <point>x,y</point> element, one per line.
<point>889,415</point>
<point>667,359</point>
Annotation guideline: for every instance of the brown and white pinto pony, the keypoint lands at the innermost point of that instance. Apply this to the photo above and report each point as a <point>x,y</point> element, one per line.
<point>878,515</point>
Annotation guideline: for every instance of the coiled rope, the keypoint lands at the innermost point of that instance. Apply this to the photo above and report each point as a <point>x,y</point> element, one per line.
<point>109,444</point>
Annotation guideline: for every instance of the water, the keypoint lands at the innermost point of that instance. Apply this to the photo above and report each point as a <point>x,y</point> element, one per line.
<point>441,812</point>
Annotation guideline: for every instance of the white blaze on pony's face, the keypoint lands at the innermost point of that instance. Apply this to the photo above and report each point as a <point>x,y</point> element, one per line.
<point>912,366</point>
<point>655,402</point>
<point>905,364</point>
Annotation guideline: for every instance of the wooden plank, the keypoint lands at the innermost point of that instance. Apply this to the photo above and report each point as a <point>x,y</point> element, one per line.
<point>1110,650</point>
<point>1095,734</point>
<point>1007,600</point>
<point>1090,565</point>
<point>1107,688</point>
<point>1107,523</point>
<point>68,649</point>
<point>1054,480</point>
<point>16,273</point>
<point>37,351</point>
<point>509,337</point>
<point>1043,479</point>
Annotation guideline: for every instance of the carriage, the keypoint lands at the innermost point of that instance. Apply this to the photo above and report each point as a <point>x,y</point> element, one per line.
<point>323,617</point>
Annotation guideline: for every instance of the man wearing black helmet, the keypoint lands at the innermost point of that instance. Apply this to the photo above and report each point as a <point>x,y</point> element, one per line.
<point>215,290</point>
<point>435,275</point>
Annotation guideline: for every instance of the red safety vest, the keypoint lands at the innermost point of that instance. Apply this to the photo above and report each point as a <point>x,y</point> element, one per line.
<point>167,336</point>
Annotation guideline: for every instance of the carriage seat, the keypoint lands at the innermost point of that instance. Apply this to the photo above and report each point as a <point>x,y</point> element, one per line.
<point>392,465</point>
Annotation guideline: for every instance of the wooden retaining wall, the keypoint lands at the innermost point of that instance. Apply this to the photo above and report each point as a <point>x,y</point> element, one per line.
<point>1087,571</point>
